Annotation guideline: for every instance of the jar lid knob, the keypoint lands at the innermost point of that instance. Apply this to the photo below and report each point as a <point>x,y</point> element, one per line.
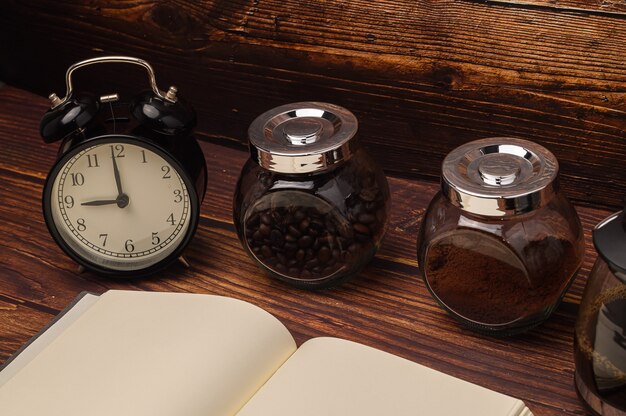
<point>303,131</point>
<point>499,169</point>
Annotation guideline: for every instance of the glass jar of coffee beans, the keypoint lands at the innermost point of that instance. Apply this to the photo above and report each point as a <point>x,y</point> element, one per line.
<point>310,207</point>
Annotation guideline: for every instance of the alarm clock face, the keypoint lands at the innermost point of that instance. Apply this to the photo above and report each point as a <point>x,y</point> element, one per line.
<point>116,204</point>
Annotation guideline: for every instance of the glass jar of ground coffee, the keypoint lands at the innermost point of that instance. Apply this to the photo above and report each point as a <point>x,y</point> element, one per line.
<point>500,244</point>
<point>310,207</point>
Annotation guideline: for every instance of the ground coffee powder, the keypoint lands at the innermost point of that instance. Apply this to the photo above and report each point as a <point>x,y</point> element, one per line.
<point>478,286</point>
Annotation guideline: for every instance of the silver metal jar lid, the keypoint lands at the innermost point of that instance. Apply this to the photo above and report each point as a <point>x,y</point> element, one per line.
<point>609,238</point>
<point>499,176</point>
<point>302,137</point>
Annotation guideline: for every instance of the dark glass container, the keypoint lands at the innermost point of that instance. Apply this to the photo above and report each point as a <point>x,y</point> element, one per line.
<point>600,341</point>
<point>311,207</point>
<point>500,244</point>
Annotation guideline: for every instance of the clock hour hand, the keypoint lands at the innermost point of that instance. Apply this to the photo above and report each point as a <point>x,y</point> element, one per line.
<point>100,202</point>
<point>121,201</point>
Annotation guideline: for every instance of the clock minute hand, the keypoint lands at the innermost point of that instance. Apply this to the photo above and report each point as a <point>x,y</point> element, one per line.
<point>116,173</point>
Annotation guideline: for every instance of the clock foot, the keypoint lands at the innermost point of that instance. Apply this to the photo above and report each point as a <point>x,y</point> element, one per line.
<point>81,269</point>
<point>184,261</point>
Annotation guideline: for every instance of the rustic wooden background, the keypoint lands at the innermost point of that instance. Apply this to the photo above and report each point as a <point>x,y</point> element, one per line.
<point>422,76</point>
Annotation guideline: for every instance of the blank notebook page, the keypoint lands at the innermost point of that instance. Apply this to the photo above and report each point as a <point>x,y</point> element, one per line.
<point>152,354</point>
<point>332,377</point>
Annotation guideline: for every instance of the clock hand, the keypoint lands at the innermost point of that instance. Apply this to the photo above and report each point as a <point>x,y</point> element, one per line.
<point>100,202</point>
<point>121,201</point>
<point>116,173</point>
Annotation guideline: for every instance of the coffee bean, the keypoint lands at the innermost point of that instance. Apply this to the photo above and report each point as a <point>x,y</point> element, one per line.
<point>300,255</point>
<point>305,241</point>
<point>265,229</point>
<point>266,251</point>
<point>354,248</point>
<point>293,231</point>
<point>257,236</point>
<point>299,215</point>
<point>312,263</point>
<point>317,224</point>
<point>276,238</point>
<point>290,247</point>
<point>327,239</point>
<point>324,254</point>
<point>266,219</point>
<point>304,225</point>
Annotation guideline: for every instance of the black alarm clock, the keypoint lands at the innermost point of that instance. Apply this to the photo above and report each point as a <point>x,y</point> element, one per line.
<point>123,199</point>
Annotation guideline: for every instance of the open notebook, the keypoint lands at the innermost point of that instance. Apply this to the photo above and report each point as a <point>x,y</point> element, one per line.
<point>128,353</point>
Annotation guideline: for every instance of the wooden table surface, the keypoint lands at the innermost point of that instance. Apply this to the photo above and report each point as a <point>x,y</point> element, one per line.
<point>387,306</point>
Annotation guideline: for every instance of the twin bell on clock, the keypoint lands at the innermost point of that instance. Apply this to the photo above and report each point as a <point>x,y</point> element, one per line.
<point>123,198</point>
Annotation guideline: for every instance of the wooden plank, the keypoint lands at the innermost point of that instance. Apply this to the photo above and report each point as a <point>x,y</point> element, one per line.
<point>387,306</point>
<point>607,8</point>
<point>423,77</point>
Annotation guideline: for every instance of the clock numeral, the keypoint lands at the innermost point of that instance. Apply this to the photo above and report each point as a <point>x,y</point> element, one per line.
<point>143,157</point>
<point>155,239</point>
<point>171,219</point>
<point>77,179</point>
<point>128,245</point>
<point>69,201</point>
<point>179,196</point>
<point>92,163</point>
<point>80,224</point>
<point>119,149</point>
<point>166,169</point>
<point>104,239</point>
